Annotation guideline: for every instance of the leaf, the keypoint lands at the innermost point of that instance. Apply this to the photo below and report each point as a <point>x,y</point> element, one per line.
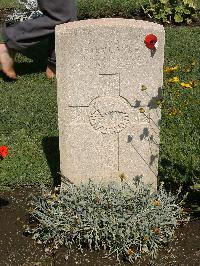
<point>164,1</point>
<point>187,11</point>
<point>190,3</point>
<point>178,18</point>
<point>195,186</point>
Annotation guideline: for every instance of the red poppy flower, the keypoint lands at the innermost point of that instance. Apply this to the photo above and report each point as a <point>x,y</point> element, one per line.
<point>3,151</point>
<point>151,41</point>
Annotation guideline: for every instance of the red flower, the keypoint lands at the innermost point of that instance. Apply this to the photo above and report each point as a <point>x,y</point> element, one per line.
<point>151,41</point>
<point>3,151</point>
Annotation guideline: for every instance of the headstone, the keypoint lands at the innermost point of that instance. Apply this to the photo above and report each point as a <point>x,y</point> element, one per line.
<point>108,83</point>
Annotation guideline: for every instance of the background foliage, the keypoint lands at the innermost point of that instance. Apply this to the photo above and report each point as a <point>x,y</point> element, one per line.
<point>163,11</point>
<point>108,8</point>
<point>172,11</point>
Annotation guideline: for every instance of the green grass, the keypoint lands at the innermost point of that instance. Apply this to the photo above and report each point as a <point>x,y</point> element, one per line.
<point>180,138</point>
<point>8,4</point>
<point>28,124</point>
<point>198,4</point>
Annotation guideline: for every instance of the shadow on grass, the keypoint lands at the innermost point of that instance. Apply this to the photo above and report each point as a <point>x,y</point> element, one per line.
<point>38,55</point>
<point>5,78</point>
<point>193,202</point>
<point>170,170</point>
<point>3,202</point>
<point>175,175</point>
<point>51,150</point>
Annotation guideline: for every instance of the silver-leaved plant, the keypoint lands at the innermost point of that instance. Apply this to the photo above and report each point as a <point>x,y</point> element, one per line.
<point>28,10</point>
<point>124,219</point>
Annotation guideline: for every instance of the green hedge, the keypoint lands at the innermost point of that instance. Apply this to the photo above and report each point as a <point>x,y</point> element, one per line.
<point>98,8</point>
<point>104,8</point>
<point>109,8</point>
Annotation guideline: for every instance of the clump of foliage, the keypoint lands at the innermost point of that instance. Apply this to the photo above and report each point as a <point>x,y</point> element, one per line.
<point>172,11</point>
<point>125,219</point>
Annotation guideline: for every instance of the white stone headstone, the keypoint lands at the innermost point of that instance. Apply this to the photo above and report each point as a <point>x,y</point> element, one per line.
<point>106,76</point>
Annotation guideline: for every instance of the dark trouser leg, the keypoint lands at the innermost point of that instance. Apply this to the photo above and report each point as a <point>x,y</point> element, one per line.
<point>25,34</point>
<point>51,50</point>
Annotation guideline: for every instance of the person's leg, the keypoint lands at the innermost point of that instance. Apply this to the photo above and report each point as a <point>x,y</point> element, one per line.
<point>6,58</point>
<point>25,34</point>
<point>7,61</point>
<point>51,63</point>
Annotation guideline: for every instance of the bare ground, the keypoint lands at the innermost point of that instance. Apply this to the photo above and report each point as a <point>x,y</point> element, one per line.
<point>16,249</point>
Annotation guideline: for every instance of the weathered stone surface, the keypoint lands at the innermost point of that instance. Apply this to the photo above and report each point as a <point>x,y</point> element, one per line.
<point>101,68</point>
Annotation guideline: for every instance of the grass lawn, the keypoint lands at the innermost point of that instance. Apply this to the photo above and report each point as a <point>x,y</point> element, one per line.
<point>180,134</point>
<point>28,124</point>
<point>7,4</point>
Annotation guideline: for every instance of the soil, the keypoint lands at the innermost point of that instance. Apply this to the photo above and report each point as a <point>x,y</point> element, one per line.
<point>17,249</point>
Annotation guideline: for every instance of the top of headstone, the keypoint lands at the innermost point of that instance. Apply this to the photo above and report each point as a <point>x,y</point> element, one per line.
<point>109,22</point>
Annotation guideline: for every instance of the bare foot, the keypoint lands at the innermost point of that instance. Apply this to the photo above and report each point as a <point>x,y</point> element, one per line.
<point>50,71</point>
<point>7,61</point>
